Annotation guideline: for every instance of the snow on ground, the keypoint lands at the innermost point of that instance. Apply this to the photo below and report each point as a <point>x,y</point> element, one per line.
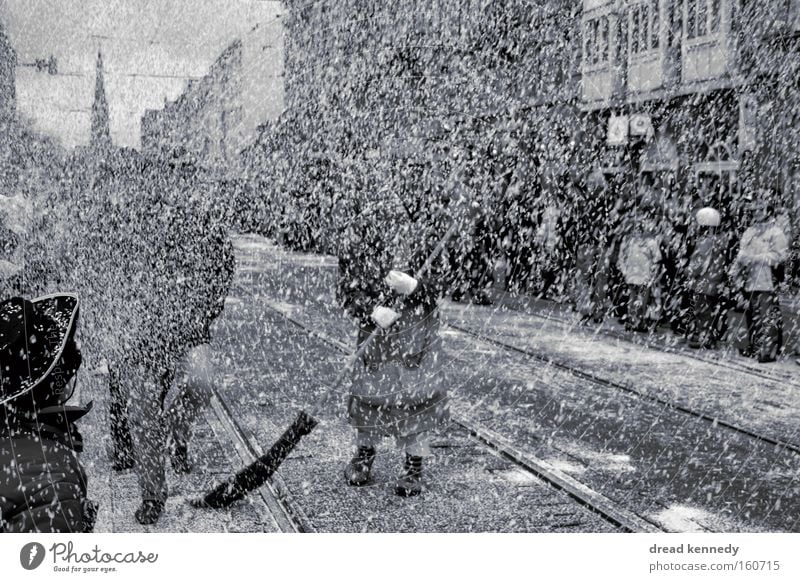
<point>632,450</point>
<point>767,406</point>
<point>688,519</point>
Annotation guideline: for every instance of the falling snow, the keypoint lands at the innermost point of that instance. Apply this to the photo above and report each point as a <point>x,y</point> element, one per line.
<point>572,236</point>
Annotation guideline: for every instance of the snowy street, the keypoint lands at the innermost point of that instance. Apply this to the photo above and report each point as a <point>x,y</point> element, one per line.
<point>609,415</point>
<point>440,266</point>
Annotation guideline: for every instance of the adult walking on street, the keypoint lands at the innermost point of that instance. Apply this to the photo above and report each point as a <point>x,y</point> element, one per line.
<point>190,268</point>
<point>590,275</point>
<point>398,389</point>
<point>640,262</point>
<point>549,243</point>
<point>763,248</point>
<point>676,248</point>
<point>472,254</point>
<point>707,278</point>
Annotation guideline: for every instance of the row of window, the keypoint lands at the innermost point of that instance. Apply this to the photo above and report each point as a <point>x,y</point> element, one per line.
<point>640,27</point>
<point>702,17</point>
<point>643,27</point>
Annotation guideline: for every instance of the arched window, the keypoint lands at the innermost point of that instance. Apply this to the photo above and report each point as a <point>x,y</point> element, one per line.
<point>716,158</point>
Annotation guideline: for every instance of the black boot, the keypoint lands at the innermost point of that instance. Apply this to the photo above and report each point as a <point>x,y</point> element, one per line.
<point>410,482</point>
<point>180,460</point>
<point>482,298</point>
<point>748,352</point>
<point>358,470</point>
<point>149,511</point>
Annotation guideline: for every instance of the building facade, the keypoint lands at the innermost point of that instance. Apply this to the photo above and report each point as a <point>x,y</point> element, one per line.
<point>409,77</point>
<point>694,96</point>
<point>395,95</point>
<point>8,64</point>
<point>218,115</point>
<point>8,75</point>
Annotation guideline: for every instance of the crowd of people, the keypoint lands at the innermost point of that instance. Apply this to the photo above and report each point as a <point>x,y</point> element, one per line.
<point>650,259</point>
<point>614,246</point>
<point>151,259</point>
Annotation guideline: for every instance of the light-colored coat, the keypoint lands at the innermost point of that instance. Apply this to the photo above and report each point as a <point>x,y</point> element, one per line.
<point>639,258</point>
<point>763,247</point>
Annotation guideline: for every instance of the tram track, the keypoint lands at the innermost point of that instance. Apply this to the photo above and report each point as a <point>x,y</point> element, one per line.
<point>588,376</point>
<point>511,302</point>
<point>613,513</point>
<point>715,420</point>
<point>297,309</point>
<point>287,512</point>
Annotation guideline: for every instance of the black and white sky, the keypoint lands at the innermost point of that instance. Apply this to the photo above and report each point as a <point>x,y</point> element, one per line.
<point>150,49</point>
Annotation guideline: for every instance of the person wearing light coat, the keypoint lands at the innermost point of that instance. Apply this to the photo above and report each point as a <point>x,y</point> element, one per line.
<point>639,262</point>
<point>763,248</point>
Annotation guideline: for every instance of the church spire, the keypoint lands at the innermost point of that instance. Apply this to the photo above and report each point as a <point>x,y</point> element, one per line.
<point>100,138</point>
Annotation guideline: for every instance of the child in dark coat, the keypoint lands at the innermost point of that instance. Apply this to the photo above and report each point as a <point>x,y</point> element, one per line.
<point>398,388</point>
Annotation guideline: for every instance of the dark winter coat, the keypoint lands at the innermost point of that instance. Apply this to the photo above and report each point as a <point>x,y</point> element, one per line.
<point>42,483</point>
<point>181,265</point>
<point>47,491</point>
<point>187,265</point>
<point>397,386</point>
<point>707,265</point>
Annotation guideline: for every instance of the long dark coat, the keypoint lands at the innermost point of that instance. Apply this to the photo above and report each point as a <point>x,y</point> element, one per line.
<point>398,386</point>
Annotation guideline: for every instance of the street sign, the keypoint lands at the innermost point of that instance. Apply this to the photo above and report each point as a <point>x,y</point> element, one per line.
<point>618,130</point>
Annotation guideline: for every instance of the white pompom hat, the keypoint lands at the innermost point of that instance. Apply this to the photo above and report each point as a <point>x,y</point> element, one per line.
<point>707,217</point>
